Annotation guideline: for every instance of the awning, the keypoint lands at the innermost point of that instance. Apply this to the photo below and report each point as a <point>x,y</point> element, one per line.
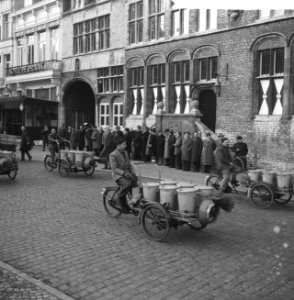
<point>15,102</point>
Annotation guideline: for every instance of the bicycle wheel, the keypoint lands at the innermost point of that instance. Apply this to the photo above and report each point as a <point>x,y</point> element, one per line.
<point>109,197</point>
<point>282,198</point>
<point>12,174</point>
<point>214,181</point>
<point>238,162</point>
<point>261,195</point>
<point>63,168</point>
<point>48,163</point>
<point>155,222</point>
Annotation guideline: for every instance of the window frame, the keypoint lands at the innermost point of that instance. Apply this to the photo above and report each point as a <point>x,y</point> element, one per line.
<point>135,22</point>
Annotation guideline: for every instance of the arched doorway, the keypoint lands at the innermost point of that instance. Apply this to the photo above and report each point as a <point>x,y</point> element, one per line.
<point>207,106</point>
<point>79,104</point>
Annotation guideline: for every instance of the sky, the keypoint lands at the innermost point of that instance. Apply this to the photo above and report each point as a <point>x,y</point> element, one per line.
<point>230,4</point>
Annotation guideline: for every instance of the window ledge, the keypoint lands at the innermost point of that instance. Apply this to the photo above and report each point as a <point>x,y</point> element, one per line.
<point>267,118</point>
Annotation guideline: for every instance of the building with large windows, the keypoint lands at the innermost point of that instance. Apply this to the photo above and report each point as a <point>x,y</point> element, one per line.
<point>145,62</point>
<point>32,73</point>
<point>94,33</point>
<point>237,64</point>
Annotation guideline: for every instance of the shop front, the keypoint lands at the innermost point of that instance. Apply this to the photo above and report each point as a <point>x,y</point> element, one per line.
<point>33,113</point>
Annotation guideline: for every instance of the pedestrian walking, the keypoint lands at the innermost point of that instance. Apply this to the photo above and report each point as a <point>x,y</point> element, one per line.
<point>186,151</point>
<point>25,144</point>
<point>197,146</point>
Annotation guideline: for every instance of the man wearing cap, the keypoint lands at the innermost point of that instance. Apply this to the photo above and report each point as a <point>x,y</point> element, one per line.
<point>225,164</point>
<point>122,171</point>
<point>241,150</point>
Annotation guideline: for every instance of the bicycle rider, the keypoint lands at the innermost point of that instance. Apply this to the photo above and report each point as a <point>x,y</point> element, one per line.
<point>224,162</point>
<point>122,171</point>
<point>53,143</point>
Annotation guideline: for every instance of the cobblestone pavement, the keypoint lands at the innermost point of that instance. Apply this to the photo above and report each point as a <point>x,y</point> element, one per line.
<point>55,230</point>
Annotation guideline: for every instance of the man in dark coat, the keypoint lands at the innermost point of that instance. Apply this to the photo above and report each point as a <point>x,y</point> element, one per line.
<point>225,164</point>
<point>241,150</point>
<point>81,138</point>
<point>108,146</point>
<point>25,144</point>
<point>88,136</point>
<point>122,171</point>
<point>137,142</point>
<point>61,136</point>
<point>197,146</point>
<point>171,148</point>
<point>151,146</point>
<point>144,139</point>
<point>128,138</point>
<point>160,147</point>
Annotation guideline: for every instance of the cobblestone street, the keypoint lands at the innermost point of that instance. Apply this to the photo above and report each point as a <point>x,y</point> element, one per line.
<point>55,230</point>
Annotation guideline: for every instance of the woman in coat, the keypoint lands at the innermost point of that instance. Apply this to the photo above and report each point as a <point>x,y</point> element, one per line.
<point>177,150</point>
<point>207,157</point>
<point>186,151</point>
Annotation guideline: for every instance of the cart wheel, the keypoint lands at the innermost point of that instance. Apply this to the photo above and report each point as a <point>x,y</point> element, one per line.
<point>155,222</point>
<point>89,172</point>
<point>63,168</point>
<point>48,163</point>
<point>12,174</point>
<point>282,198</point>
<point>196,225</point>
<point>261,195</point>
<point>214,181</point>
<point>108,197</point>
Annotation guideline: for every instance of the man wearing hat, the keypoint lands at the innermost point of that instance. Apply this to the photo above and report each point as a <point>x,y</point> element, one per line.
<point>122,171</point>
<point>225,164</point>
<point>241,150</point>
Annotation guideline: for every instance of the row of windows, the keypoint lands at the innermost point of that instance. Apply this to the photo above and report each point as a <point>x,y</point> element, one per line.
<point>182,21</point>
<point>117,114</point>
<point>110,79</point>
<point>91,35</point>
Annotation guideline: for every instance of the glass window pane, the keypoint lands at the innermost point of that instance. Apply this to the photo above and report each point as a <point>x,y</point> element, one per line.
<point>265,62</point>
<point>279,61</point>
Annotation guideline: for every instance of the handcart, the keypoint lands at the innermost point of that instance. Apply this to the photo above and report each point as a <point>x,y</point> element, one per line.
<point>71,161</point>
<point>165,204</point>
<point>8,164</point>
<point>262,187</point>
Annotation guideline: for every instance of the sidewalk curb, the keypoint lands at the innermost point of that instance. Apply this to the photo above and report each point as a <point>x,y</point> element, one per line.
<point>36,282</point>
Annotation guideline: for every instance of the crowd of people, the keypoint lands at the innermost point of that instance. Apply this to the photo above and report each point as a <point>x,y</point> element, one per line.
<point>187,151</point>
